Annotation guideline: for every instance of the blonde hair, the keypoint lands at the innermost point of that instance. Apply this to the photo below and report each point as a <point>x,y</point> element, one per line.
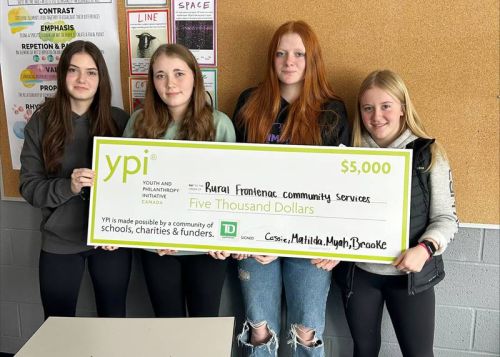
<point>393,84</point>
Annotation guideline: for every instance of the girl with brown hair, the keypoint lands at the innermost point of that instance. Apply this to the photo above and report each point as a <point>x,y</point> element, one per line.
<point>175,107</point>
<point>55,176</point>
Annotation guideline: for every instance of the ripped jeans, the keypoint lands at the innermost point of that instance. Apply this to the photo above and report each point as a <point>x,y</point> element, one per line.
<point>306,291</point>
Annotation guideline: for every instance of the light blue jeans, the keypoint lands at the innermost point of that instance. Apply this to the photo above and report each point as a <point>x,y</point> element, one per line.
<point>306,291</point>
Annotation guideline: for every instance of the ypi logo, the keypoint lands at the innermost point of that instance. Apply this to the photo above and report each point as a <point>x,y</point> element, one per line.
<point>228,229</point>
<point>131,165</point>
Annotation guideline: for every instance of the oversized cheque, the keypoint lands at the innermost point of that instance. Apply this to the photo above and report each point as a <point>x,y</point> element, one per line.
<point>344,203</point>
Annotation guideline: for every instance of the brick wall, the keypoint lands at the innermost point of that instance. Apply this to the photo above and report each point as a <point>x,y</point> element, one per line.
<point>467,313</point>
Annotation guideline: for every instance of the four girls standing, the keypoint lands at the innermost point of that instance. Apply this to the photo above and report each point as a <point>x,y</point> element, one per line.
<point>293,105</point>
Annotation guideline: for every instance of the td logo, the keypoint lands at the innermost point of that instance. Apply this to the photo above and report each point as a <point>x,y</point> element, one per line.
<point>228,229</point>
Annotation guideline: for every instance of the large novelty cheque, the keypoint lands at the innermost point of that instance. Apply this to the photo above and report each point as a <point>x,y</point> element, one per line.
<point>286,200</point>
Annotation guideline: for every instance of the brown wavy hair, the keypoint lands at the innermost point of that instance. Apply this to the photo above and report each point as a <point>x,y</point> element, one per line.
<point>153,121</point>
<point>59,127</point>
<point>302,125</point>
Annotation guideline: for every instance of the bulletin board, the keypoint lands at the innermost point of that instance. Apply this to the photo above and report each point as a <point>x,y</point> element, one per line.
<point>446,51</point>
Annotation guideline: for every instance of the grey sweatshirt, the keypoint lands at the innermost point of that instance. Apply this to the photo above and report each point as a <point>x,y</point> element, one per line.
<point>64,214</point>
<point>443,221</point>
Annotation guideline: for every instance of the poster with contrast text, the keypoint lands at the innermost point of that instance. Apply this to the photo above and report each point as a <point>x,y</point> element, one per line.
<point>34,33</point>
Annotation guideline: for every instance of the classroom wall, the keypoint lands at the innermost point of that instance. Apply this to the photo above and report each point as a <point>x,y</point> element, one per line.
<point>446,51</point>
<point>467,314</point>
<point>468,311</point>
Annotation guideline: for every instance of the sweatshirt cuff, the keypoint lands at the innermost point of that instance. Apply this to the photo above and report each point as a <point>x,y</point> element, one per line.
<point>65,189</point>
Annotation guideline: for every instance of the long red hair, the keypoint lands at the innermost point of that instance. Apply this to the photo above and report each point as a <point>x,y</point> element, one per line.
<point>260,111</point>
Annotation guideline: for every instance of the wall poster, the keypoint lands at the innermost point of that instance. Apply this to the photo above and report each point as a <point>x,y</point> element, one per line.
<point>195,26</point>
<point>34,33</point>
<point>146,31</point>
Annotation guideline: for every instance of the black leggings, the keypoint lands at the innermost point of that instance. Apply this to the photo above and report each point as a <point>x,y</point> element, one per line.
<point>61,275</point>
<point>412,315</point>
<point>176,280</point>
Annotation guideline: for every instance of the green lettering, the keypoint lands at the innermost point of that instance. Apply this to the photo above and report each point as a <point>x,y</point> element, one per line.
<point>126,170</point>
<point>145,169</point>
<point>112,168</point>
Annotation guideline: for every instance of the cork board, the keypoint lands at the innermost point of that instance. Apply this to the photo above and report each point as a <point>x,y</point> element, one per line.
<point>446,51</point>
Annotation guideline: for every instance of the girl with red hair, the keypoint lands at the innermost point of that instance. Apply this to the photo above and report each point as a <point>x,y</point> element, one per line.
<point>293,105</point>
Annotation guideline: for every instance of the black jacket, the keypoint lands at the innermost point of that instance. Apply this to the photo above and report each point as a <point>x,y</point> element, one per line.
<point>433,270</point>
<point>333,123</point>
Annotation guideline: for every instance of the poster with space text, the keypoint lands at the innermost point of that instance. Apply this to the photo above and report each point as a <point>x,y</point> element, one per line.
<point>195,26</point>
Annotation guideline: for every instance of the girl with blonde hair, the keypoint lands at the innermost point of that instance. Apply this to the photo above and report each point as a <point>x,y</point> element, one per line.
<point>386,118</point>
